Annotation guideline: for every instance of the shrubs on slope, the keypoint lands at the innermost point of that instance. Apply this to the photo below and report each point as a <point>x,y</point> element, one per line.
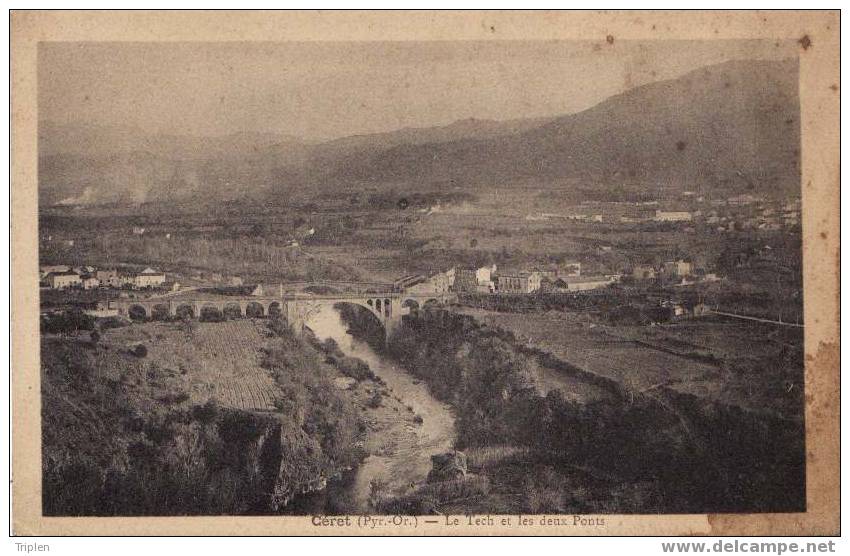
<point>120,437</point>
<point>654,451</point>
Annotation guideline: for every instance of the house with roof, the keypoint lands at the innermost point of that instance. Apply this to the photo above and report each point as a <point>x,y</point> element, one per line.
<point>466,279</point>
<point>89,282</point>
<point>149,278</point>
<point>63,280</point>
<point>438,282</point>
<point>673,216</point>
<point>518,282</point>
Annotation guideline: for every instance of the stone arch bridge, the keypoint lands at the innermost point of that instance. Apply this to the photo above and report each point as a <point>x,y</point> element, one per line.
<point>297,308</point>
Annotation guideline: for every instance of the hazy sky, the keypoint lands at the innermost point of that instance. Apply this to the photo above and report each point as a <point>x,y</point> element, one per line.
<point>326,90</point>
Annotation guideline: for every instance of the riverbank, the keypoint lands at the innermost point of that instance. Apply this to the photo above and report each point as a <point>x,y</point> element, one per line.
<point>206,419</point>
<point>629,451</point>
<point>406,425</point>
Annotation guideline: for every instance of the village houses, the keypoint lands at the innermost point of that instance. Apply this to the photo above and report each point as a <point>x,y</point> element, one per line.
<point>63,280</point>
<point>89,278</point>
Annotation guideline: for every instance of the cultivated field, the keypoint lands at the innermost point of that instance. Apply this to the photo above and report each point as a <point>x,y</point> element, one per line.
<point>218,360</point>
<point>758,368</point>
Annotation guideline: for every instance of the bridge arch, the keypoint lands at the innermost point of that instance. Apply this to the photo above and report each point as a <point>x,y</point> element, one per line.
<point>255,310</point>
<point>137,312</point>
<point>351,312</point>
<point>412,304</point>
<point>185,311</point>
<point>211,313</point>
<point>231,311</point>
<point>275,309</point>
<point>160,311</point>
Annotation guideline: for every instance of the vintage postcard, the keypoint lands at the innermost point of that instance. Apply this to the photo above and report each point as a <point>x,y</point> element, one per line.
<point>425,273</point>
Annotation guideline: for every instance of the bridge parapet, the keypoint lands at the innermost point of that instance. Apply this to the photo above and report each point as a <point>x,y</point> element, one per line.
<point>298,308</point>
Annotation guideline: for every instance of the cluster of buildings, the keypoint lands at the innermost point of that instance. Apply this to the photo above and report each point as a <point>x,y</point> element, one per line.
<point>489,279</point>
<point>737,213</point>
<point>563,278</point>
<point>60,277</point>
<point>676,272</point>
<point>747,212</point>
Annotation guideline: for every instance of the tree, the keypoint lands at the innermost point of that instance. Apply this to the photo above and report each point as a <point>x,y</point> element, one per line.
<point>67,322</point>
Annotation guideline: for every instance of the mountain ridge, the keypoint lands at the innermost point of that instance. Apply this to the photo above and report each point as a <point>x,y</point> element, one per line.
<point>730,126</point>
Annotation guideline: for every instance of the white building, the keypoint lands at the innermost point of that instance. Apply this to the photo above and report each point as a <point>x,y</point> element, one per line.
<point>673,216</point>
<point>678,268</point>
<point>440,282</point>
<point>149,278</point>
<point>484,276</point>
<point>90,282</point>
<point>518,282</point>
<point>63,280</point>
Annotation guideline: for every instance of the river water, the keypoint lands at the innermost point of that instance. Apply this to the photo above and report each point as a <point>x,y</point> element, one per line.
<point>405,450</point>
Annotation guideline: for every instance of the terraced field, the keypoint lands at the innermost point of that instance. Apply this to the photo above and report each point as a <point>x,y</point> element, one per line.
<point>218,360</point>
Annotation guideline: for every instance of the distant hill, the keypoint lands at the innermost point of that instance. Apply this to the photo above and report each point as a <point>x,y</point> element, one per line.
<point>94,164</point>
<point>340,151</point>
<point>732,127</point>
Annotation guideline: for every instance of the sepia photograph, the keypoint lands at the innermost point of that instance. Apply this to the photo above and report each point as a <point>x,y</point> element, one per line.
<point>342,279</point>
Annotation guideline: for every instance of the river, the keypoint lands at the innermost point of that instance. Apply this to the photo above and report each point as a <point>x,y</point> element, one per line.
<point>400,453</point>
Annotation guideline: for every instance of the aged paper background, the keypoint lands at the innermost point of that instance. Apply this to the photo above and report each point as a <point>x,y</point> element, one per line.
<point>818,34</point>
